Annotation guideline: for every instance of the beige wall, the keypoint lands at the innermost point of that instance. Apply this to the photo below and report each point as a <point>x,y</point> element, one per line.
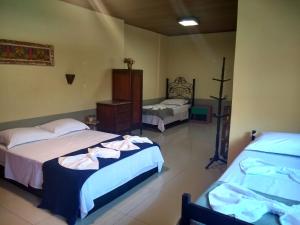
<point>200,56</point>
<point>147,49</point>
<point>86,43</point>
<point>90,44</point>
<point>266,88</point>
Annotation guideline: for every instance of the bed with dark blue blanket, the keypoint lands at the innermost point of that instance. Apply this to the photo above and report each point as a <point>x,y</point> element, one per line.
<point>62,186</point>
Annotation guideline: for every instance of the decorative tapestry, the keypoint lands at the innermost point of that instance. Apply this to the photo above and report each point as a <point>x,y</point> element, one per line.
<point>17,52</point>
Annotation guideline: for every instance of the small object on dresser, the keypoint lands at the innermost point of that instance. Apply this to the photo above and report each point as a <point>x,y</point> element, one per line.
<point>129,62</point>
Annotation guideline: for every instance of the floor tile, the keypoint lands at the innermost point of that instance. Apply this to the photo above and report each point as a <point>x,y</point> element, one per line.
<point>100,217</point>
<point>126,220</point>
<point>21,203</point>
<point>160,208</point>
<point>52,220</point>
<point>8,218</point>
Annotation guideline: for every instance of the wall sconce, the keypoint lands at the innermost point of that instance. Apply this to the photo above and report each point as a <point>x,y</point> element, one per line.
<point>70,78</point>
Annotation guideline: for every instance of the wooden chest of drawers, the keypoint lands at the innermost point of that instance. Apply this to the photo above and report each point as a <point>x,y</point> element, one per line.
<point>114,116</point>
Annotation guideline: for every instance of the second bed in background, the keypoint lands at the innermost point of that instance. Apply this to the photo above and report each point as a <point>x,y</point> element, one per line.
<point>180,96</point>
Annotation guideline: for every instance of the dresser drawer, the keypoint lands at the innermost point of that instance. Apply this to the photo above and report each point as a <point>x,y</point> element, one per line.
<point>123,108</point>
<point>123,117</point>
<point>122,126</point>
<point>114,116</point>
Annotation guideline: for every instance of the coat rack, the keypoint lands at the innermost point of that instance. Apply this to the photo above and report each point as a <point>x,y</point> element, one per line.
<point>219,116</point>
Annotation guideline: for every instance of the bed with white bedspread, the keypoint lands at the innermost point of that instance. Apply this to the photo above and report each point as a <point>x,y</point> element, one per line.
<point>23,159</point>
<point>266,173</point>
<point>180,96</point>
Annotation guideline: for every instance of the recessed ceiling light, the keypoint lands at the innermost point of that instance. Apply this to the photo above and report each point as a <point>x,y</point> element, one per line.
<point>188,21</point>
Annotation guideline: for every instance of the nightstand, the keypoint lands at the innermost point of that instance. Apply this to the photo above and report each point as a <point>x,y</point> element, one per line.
<point>92,124</point>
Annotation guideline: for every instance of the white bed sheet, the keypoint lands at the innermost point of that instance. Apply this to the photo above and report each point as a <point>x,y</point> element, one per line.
<point>180,113</point>
<point>277,142</point>
<point>277,185</point>
<point>24,164</point>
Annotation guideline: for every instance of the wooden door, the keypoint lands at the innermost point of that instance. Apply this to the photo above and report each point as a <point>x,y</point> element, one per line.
<point>137,96</point>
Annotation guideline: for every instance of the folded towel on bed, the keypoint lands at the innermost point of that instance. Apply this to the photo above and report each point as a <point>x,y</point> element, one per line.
<point>104,153</point>
<point>246,205</point>
<point>111,149</point>
<point>123,145</point>
<point>257,166</point>
<point>79,162</point>
<point>88,161</point>
<point>137,139</point>
<point>155,107</point>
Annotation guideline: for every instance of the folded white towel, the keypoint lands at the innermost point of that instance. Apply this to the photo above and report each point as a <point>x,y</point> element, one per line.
<point>159,107</point>
<point>123,145</point>
<point>246,205</point>
<point>137,139</point>
<point>104,153</point>
<point>88,161</point>
<point>147,106</point>
<point>79,162</point>
<point>257,166</point>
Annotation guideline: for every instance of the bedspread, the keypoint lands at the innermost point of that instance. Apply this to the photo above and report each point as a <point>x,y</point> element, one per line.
<point>62,186</point>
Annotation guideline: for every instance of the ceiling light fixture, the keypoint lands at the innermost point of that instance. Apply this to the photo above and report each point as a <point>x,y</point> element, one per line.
<point>188,21</point>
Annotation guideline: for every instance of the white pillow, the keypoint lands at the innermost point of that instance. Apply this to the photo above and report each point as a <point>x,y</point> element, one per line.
<point>174,101</point>
<point>18,136</point>
<point>277,142</point>
<point>64,126</point>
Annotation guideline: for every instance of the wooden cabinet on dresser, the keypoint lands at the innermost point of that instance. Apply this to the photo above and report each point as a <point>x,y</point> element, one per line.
<point>127,85</point>
<point>114,116</point>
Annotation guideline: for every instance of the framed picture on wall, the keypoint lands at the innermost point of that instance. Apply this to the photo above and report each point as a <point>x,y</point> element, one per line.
<point>26,53</point>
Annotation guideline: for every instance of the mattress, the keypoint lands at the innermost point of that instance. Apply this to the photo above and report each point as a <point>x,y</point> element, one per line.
<point>24,164</point>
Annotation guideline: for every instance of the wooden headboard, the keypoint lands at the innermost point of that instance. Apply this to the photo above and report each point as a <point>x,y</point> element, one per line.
<point>180,88</point>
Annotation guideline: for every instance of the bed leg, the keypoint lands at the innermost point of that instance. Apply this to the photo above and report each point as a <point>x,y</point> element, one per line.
<point>186,199</point>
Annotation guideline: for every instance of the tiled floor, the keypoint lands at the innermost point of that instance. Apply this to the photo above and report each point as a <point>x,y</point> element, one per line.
<point>186,149</point>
